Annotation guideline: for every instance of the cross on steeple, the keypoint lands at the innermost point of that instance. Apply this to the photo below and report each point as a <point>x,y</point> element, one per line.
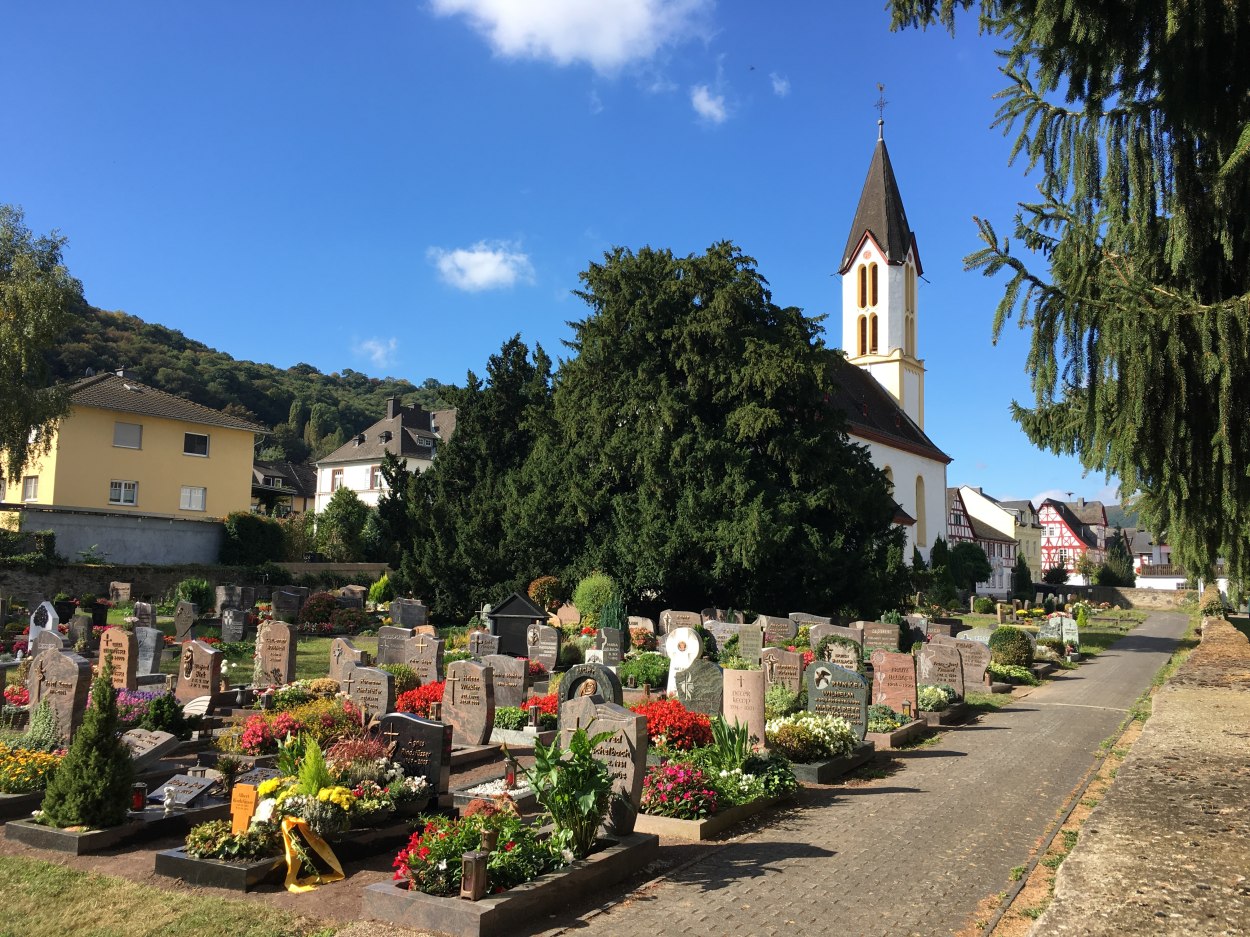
<point>880,106</point>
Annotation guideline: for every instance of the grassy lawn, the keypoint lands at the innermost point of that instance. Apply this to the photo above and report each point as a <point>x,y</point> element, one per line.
<point>987,702</point>
<point>50,900</point>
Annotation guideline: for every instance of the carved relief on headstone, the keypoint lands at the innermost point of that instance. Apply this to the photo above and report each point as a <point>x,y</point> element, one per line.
<point>63,679</point>
<point>425,656</point>
<point>275,645</point>
<point>543,643</point>
<point>700,687</point>
<point>683,647</point>
<point>782,667</point>
<point>344,653</point>
<point>836,691</point>
<point>369,688</point>
<point>199,671</point>
<point>624,752</point>
<point>185,615</point>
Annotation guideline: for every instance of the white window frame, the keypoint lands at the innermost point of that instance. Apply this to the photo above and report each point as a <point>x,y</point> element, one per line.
<point>30,488</point>
<point>117,424</point>
<point>197,455</point>
<point>336,480</point>
<point>376,481</point>
<point>122,489</point>
<point>186,499</point>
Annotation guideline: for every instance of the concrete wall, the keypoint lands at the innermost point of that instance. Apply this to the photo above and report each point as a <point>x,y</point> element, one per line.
<point>129,538</point>
<point>154,581</point>
<point>1154,599</point>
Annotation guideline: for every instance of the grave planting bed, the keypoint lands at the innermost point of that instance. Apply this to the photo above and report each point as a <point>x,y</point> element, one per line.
<point>150,823</point>
<point>951,715</point>
<point>826,772</point>
<point>235,876</point>
<point>699,830</point>
<point>615,861</point>
<point>900,736</point>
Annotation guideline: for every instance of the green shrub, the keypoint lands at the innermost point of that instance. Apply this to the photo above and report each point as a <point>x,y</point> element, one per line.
<point>892,617</point>
<point>1012,673</point>
<point>450,657</point>
<point>734,662</point>
<point>570,654</point>
<point>405,677</point>
<point>883,718</point>
<point>648,668</point>
<point>381,591</point>
<point>1010,645</point>
<point>591,595</point>
<point>250,539</point>
<point>318,609</point>
<point>512,718</point>
<point>92,786</point>
<point>43,733</point>
<point>1055,644</point>
<point>351,620</point>
<point>983,605</point>
<point>165,715</point>
<point>1212,605</point>
<point>779,702</point>
<point>934,697</point>
<point>198,592</point>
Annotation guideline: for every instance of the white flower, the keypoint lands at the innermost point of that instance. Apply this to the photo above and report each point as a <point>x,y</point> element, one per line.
<point>264,810</point>
<point>566,855</point>
<point>442,866</point>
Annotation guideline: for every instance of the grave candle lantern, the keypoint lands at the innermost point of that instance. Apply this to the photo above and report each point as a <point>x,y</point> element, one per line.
<point>490,839</point>
<point>535,712</point>
<point>139,796</point>
<point>473,875</point>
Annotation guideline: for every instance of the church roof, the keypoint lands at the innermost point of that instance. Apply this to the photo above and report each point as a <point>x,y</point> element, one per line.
<point>881,215</point>
<point>872,414</point>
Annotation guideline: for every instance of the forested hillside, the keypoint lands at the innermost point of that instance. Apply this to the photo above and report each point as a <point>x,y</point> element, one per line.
<point>310,413</point>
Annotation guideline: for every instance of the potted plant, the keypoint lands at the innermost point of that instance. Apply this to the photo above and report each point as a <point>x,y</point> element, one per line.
<point>65,605</point>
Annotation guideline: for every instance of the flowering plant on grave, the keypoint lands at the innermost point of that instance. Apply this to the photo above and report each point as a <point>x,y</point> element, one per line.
<point>807,736</point>
<point>418,701</point>
<point>678,790</point>
<point>642,639</point>
<point>671,725</point>
<point>535,669</point>
<point>934,697</point>
<point>808,654</point>
<point>16,695</point>
<point>23,771</point>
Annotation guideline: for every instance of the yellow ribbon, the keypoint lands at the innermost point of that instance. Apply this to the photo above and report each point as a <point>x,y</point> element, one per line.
<point>292,827</point>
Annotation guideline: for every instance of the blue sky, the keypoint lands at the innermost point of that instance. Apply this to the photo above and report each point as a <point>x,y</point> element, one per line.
<point>398,187</point>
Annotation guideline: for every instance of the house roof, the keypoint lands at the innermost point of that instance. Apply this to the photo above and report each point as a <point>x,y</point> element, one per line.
<point>1140,541</point>
<point>880,214</point>
<point>299,477</point>
<point>872,414</point>
<point>1025,507</point>
<point>1088,512</point>
<point>983,531</point>
<point>1080,530</point>
<point>397,434</point>
<point>124,394</point>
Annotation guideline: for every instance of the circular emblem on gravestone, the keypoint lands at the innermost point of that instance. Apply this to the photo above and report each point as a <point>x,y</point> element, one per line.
<point>684,647</point>
<point>822,677</point>
<point>588,687</point>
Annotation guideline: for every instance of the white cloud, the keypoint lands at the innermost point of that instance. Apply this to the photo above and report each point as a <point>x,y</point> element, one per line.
<point>711,107</point>
<point>487,265</point>
<point>781,84</point>
<point>604,34</point>
<point>596,103</point>
<point>381,351</point>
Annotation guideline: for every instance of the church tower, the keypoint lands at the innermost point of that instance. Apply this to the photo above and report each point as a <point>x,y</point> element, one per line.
<point>880,267</point>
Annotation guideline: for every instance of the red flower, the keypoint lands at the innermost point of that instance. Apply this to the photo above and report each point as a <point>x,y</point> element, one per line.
<point>680,728</point>
<point>418,701</point>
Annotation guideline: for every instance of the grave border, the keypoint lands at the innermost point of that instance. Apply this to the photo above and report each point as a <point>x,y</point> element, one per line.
<point>826,772</point>
<point>699,830</point>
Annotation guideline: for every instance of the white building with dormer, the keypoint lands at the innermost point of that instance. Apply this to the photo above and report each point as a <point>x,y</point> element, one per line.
<point>883,394</point>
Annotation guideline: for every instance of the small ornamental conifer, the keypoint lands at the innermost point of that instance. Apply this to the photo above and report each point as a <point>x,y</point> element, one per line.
<point>92,787</point>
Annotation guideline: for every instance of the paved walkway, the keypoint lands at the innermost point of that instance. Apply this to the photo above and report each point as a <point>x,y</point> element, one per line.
<point>915,853</point>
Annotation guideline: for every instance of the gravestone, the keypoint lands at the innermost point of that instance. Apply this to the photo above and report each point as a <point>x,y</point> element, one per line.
<point>543,645</point>
<point>509,678</point>
<point>424,655</point>
<point>1070,633</point>
<point>670,620</point>
<point>624,752</point>
<point>637,621</point>
<point>199,672</point>
<point>286,604</point>
<point>228,597</point>
<point>836,691</point>
<point>777,631</point>
<point>844,652</point>
<point>123,648</point>
<point>609,642</point>
<point>44,616</point>
<point>894,682</point>
<point>151,650</point>
<point>805,618</point>
<point>408,613</point>
<point>185,615</point>
<point>941,639</point>
<point>700,687</point>
<point>119,592</point>
<point>721,631</point>
<point>233,625</point>
<point>342,655</point>
<point>349,599</point>
<point>392,644</point>
<point>469,702</point>
<point>81,632</point>
<point>421,747</point>
<point>147,748</point>
<point>974,658</point>
<point>145,615</point>
<point>590,680</point>
<point>186,790</point>
<point>683,647</point>
<point>44,640</point>
<point>567,614</point>
<point>980,635</point>
<point>742,701</point>
<point>817,633</point>
<point>880,634</point>
<point>275,646</point>
<point>243,800</point>
<point>750,642</point>
<point>258,776</point>
<point>369,688</point>
<point>782,668</point>
<point>1050,627</point>
<point>64,680</point>
<point>483,644</point>
<point>939,663</point>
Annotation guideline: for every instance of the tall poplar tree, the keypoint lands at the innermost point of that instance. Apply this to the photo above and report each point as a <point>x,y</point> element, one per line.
<point>1137,289</point>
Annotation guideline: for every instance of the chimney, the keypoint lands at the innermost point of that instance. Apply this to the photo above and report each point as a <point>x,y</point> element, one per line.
<point>1080,502</point>
<point>122,372</point>
<point>393,407</point>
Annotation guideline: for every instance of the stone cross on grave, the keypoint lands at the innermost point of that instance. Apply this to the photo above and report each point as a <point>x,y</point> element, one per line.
<point>338,654</point>
<point>770,667</point>
<point>346,683</point>
<point>420,642</point>
<point>452,680</point>
<point>393,734</point>
<point>685,685</point>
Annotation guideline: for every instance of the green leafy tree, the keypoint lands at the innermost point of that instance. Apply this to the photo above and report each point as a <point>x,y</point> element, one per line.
<point>392,512</point>
<point>969,565</point>
<point>1118,569</point>
<point>341,525</point>
<point>1086,566</point>
<point>250,540</point>
<point>1137,289</point>
<point>1021,578</point>
<point>1055,575</point>
<point>37,299</point>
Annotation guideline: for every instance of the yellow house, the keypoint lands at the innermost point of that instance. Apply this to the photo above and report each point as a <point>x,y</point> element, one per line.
<point>129,448</point>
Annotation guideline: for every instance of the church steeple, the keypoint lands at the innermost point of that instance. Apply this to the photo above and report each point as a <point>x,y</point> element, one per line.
<point>880,267</point>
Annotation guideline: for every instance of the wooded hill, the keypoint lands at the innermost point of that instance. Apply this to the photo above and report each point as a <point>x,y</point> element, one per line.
<point>310,413</point>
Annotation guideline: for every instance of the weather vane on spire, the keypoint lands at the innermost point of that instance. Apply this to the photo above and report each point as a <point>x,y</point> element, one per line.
<point>880,106</point>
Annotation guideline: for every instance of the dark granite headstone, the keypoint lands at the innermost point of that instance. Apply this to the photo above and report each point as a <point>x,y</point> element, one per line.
<point>187,790</point>
<point>590,680</point>
<point>257,776</point>
<point>782,667</point>
<point>777,631</point>
<point>64,680</point>
<point>836,691</point>
<point>408,613</point>
<point>424,655</point>
<point>700,687</point>
<point>721,631</point>
<point>81,632</point>
<point>625,752</point>
<point>122,648</point>
<point>671,620</point>
<point>233,625</point>
<point>882,635</point>
<point>469,702</point>
<point>275,645</point>
<point>543,642</point>
<point>421,747</point>
<point>509,678</point>
<point>228,597</point>
<point>610,643</point>
<point>483,644</point>
<point>199,671</point>
<point>347,598</point>
<point>286,604</point>
<point>742,701</point>
<point>342,655</point>
<point>894,681</point>
<point>392,644</point>
<point>806,618</point>
<point>185,615</point>
<point>974,658</point>
<point>750,642</point>
<point>151,650</point>
<point>371,689</point>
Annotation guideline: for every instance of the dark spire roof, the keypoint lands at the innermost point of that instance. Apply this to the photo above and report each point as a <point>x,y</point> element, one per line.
<point>880,213</point>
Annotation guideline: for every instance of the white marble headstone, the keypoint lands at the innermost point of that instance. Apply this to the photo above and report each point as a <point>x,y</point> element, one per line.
<point>683,647</point>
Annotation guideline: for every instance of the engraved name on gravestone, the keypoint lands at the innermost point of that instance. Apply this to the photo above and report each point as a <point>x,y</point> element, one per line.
<point>199,672</point>
<point>671,619</point>
<point>836,691</point>
<point>624,752</point>
<point>842,651</point>
<point>483,644</point>
<point>275,645</point>
<point>186,789</point>
<point>122,649</point>
<point>469,702</point>
<point>258,776</point>
<point>147,748</point>
<point>1051,627</point>
<point>119,592</point>
<point>683,647</point>
<point>750,642</point>
<point>343,654</point>
<point>894,681</point>
<point>63,679</point>
<point>243,800</point>
<point>543,643</point>
<point>185,615</point>
<point>424,655</point>
<point>590,680</point>
<point>700,686</point>
<point>371,689</point>
<point>721,631</point>
<point>880,634</point>
<point>974,658</point>
<point>777,631</point>
<point>508,675</point>
<point>151,650</point>
<point>1070,633</point>
<point>44,640</point>
<point>408,613</point>
<point>609,642</point>
<point>782,667</point>
<point>421,747</point>
<point>233,625</point>
<point>392,644</point>
<point>742,701</point>
<point>939,663</point>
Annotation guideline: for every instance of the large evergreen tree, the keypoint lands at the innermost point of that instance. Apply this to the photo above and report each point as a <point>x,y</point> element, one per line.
<point>1138,115</point>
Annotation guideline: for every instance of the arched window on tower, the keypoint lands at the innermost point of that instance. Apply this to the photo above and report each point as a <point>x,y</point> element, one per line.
<point>863,335</point>
<point>909,336</point>
<point>872,333</point>
<point>922,533</point>
<point>862,274</point>
<point>872,284</point>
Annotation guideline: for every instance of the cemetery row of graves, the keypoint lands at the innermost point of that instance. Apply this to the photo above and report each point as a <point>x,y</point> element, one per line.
<point>631,729</point>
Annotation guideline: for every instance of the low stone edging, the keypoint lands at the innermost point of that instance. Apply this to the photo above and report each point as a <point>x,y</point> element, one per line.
<point>699,830</point>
